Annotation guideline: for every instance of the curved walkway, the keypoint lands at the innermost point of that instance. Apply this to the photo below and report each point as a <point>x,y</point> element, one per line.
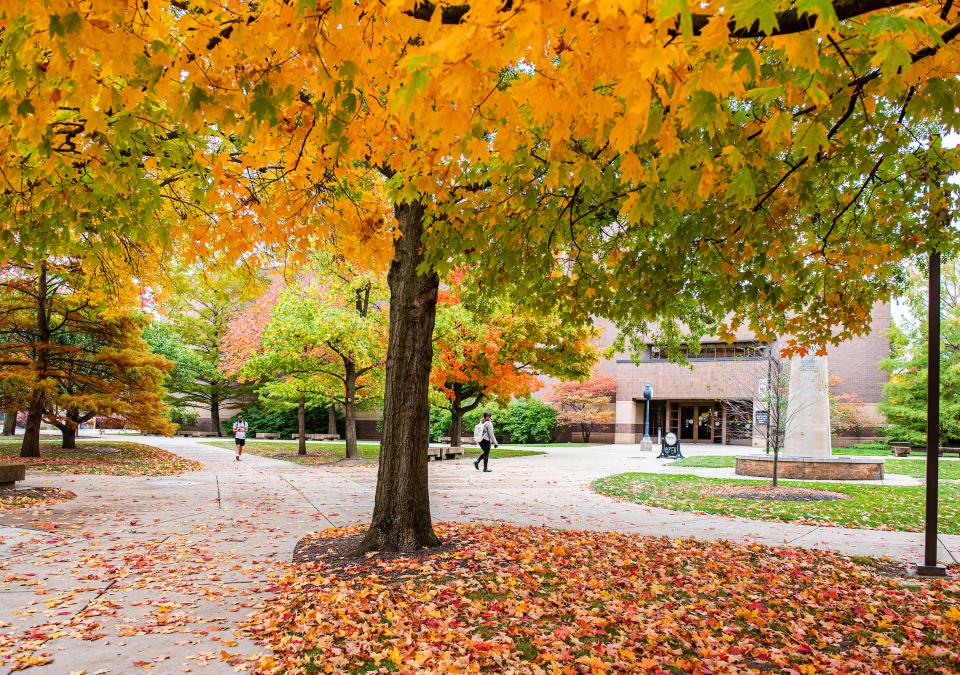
<point>156,573</point>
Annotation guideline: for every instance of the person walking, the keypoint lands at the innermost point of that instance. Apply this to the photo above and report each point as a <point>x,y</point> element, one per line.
<point>486,438</point>
<point>240,434</point>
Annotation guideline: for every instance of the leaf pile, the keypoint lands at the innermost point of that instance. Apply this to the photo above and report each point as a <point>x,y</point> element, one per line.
<point>107,458</point>
<point>32,497</point>
<point>535,600</point>
<point>781,492</point>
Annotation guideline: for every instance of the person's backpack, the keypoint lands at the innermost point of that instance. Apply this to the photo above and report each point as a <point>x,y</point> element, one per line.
<point>478,433</point>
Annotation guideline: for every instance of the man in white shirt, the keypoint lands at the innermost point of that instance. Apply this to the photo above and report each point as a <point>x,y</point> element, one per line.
<point>486,440</point>
<point>239,434</point>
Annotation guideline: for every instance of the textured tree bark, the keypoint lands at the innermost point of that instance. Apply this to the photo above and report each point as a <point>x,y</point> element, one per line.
<point>38,398</point>
<point>350,409</point>
<point>401,514</point>
<point>332,419</point>
<point>31,433</point>
<point>302,426</point>
<point>456,425</point>
<point>69,434</point>
<point>215,416</point>
<point>10,423</point>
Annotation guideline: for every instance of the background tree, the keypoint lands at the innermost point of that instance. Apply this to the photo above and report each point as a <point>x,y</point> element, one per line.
<point>70,349</point>
<point>489,347</point>
<point>846,410</point>
<point>904,403</point>
<point>585,405</point>
<point>109,372</point>
<point>195,315</point>
<point>323,340</point>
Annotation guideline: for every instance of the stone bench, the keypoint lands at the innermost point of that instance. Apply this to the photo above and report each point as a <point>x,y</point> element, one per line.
<point>317,437</point>
<point>196,433</point>
<point>905,449</point>
<point>267,435</point>
<point>900,449</point>
<point>464,440</point>
<point>11,473</point>
<point>441,452</point>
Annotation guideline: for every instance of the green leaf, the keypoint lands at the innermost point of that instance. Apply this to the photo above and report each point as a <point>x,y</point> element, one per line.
<point>891,56</point>
<point>25,108</point>
<point>746,13</point>
<point>822,9</point>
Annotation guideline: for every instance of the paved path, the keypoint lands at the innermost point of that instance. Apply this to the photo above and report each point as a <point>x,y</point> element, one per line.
<point>156,573</point>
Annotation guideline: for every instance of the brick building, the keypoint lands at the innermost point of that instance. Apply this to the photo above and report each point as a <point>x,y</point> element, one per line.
<point>710,400</point>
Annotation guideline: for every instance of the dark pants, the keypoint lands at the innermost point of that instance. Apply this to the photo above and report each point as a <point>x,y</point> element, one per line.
<point>485,447</point>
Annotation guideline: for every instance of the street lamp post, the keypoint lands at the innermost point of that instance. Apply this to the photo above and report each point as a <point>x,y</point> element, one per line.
<point>646,445</point>
<point>930,566</point>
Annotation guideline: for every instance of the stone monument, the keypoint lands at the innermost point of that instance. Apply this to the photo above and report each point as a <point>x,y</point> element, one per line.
<point>808,408</point>
<point>807,447</point>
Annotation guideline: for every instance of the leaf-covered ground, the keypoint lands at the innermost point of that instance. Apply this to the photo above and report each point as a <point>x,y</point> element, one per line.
<point>874,507</point>
<point>326,453</point>
<point>948,468</point>
<point>113,458</point>
<point>536,600</point>
<point>32,497</point>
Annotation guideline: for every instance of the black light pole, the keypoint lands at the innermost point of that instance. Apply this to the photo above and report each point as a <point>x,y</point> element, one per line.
<point>930,567</point>
<point>769,385</point>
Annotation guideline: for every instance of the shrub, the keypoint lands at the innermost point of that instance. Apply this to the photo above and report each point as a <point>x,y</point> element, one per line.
<point>529,420</point>
<point>271,418</point>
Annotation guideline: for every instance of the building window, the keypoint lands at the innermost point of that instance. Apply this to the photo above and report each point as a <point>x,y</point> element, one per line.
<point>712,351</point>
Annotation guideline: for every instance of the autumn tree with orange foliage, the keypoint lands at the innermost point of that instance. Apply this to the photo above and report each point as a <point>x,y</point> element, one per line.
<point>752,163</point>
<point>586,404</point>
<point>490,347</point>
<point>70,352</point>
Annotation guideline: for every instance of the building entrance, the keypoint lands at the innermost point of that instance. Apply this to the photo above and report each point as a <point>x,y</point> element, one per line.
<point>695,422</point>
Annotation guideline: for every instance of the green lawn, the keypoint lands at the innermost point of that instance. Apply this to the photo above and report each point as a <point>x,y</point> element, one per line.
<point>877,448</point>
<point>949,468</point>
<point>317,452</point>
<point>501,452</point>
<point>869,506</point>
<point>327,452</point>
<point>548,445</point>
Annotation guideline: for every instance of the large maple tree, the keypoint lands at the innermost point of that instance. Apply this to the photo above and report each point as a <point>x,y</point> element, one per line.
<point>745,162</point>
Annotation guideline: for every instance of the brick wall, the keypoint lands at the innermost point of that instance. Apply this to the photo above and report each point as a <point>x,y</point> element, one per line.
<point>856,361</point>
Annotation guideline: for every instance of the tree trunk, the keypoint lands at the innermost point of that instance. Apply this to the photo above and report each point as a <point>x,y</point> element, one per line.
<point>302,426</point>
<point>332,419</point>
<point>31,434</point>
<point>456,424</point>
<point>215,416</point>
<point>585,432</point>
<point>776,461</point>
<point>69,433</point>
<point>10,423</point>
<point>401,514</point>
<point>38,397</point>
<point>350,408</point>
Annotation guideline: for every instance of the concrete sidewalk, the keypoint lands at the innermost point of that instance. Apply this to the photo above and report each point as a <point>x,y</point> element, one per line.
<point>159,572</point>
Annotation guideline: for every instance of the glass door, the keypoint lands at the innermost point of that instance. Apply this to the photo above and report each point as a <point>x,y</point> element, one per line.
<point>688,417</point>
<point>705,423</point>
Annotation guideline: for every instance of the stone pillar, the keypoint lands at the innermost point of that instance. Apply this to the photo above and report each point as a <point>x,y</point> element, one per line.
<point>808,408</point>
<point>626,421</point>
